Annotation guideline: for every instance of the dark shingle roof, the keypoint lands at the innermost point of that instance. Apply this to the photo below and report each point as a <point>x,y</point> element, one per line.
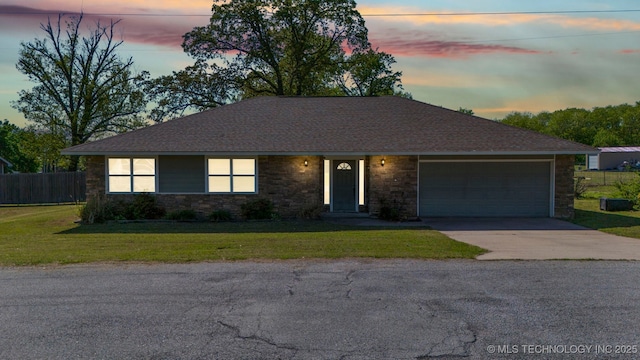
<point>330,125</point>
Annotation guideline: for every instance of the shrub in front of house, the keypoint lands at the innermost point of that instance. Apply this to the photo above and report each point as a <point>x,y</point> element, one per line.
<point>182,215</point>
<point>311,212</point>
<point>97,210</point>
<point>144,206</point>
<point>220,216</point>
<point>390,211</point>
<point>260,209</point>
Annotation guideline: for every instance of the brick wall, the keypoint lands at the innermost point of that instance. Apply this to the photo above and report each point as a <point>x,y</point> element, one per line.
<point>284,180</point>
<point>96,182</point>
<point>564,193</point>
<point>292,186</point>
<point>396,182</point>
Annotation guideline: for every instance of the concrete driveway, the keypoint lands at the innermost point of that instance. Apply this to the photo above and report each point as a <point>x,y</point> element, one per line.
<point>536,239</point>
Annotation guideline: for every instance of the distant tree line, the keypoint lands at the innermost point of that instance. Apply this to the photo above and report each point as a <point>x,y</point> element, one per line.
<point>617,125</point>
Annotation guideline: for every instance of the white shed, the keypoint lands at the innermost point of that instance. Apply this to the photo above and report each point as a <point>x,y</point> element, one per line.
<point>614,158</point>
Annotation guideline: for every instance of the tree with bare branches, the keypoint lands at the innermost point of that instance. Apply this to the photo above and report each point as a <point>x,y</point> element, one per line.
<point>84,89</point>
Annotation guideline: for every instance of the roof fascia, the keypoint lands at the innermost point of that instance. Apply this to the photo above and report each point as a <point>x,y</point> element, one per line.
<point>328,153</point>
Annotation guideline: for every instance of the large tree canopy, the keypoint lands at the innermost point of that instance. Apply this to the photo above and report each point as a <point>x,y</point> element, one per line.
<point>369,73</point>
<point>277,47</point>
<point>283,47</point>
<point>83,89</point>
<point>198,87</point>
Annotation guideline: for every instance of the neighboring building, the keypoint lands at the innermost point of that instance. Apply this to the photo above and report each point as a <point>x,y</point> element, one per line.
<point>4,166</point>
<point>614,158</point>
<point>349,154</point>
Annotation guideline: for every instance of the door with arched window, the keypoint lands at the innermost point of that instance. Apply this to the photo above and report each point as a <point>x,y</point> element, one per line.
<point>344,185</point>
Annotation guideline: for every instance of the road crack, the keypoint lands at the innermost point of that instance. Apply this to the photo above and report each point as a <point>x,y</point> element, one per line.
<point>255,337</point>
<point>455,344</point>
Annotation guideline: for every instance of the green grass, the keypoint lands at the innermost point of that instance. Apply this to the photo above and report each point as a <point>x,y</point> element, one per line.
<point>623,223</point>
<point>588,213</point>
<point>37,235</point>
<point>596,192</point>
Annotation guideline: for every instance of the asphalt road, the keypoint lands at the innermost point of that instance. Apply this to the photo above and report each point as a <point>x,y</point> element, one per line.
<point>350,309</point>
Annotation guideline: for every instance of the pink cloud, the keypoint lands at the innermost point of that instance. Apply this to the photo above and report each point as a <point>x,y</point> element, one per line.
<point>22,19</point>
<point>17,10</point>
<point>406,46</point>
<point>629,51</point>
<point>167,31</point>
<point>151,30</point>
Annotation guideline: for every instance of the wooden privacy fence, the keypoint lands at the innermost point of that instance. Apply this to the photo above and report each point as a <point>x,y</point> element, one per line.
<point>63,187</point>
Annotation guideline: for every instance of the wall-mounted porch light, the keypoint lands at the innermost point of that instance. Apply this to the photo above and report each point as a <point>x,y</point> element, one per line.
<point>306,163</point>
<point>382,162</point>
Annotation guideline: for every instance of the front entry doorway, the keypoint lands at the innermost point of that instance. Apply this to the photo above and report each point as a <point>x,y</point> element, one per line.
<point>344,185</point>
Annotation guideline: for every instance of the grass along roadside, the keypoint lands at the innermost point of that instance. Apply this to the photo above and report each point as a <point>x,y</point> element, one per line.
<point>47,235</point>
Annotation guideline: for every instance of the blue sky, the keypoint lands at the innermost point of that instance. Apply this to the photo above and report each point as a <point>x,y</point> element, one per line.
<point>493,64</point>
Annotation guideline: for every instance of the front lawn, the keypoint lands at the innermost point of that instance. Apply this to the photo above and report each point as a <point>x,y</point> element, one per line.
<point>623,223</point>
<point>32,235</point>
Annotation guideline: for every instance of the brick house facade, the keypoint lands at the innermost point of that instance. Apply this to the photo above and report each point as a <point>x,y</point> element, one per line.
<point>294,187</point>
<point>340,154</point>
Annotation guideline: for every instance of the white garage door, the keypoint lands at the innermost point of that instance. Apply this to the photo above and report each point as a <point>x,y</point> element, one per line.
<point>485,189</point>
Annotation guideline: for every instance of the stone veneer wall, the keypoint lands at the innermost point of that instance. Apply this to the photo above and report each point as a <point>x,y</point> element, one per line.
<point>96,181</point>
<point>284,180</point>
<point>564,186</point>
<point>396,182</point>
<point>291,186</point>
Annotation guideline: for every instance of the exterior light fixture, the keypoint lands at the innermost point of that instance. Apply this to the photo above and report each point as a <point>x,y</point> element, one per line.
<point>382,162</point>
<point>306,163</point>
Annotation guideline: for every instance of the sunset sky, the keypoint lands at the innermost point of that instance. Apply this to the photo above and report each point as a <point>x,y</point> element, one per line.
<point>524,56</point>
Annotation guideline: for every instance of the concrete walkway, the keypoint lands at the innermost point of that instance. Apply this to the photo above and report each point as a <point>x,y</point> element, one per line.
<point>536,239</point>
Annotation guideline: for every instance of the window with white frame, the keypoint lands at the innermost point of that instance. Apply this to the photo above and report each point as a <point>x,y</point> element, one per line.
<point>128,175</point>
<point>231,175</point>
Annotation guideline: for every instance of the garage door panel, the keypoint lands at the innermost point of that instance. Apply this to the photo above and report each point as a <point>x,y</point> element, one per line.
<point>485,189</point>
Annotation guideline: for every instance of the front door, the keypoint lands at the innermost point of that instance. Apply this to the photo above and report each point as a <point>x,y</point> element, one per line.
<point>344,185</point>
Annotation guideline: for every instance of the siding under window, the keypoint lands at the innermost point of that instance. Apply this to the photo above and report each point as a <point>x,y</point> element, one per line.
<point>181,174</point>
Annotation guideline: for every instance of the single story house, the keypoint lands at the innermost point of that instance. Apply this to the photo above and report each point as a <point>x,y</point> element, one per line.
<point>4,165</point>
<point>614,158</point>
<point>347,154</point>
